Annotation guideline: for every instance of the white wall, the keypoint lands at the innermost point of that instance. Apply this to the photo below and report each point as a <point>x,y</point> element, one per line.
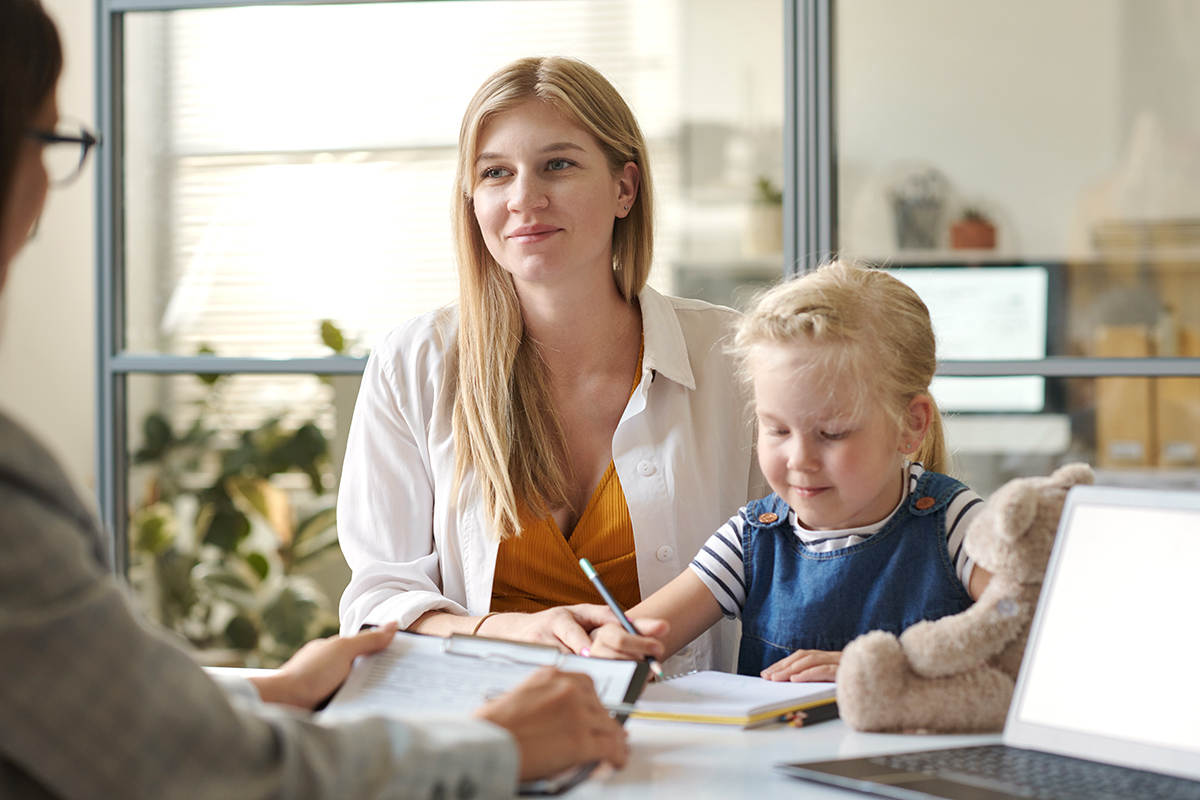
<point>47,347</point>
<point>1017,102</point>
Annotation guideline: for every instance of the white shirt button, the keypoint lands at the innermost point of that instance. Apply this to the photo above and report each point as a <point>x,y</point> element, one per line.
<point>645,469</point>
<point>664,553</point>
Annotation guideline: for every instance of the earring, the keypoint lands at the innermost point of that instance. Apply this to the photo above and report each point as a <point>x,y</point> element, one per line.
<point>626,208</point>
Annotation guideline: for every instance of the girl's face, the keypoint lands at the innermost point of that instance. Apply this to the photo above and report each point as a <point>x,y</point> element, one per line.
<point>545,199</point>
<point>836,471</point>
<point>27,195</point>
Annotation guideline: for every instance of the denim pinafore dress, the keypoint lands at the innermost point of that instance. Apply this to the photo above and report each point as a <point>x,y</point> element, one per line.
<point>799,599</point>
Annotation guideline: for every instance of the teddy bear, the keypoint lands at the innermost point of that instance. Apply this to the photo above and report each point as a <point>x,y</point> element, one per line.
<point>957,674</point>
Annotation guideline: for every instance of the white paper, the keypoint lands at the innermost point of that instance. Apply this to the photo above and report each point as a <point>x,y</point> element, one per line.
<point>426,674</point>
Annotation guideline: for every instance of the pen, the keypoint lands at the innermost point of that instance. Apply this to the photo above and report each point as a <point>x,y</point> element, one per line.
<point>590,571</point>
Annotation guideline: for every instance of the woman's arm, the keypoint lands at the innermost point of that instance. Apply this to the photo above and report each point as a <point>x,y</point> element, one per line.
<point>97,706</point>
<point>564,627</point>
<point>394,497</point>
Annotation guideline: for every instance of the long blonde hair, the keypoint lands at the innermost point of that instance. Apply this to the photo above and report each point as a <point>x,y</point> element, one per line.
<point>878,333</point>
<point>505,423</point>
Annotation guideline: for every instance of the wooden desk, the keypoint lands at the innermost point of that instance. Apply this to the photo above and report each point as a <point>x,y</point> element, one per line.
<point>681,761</point>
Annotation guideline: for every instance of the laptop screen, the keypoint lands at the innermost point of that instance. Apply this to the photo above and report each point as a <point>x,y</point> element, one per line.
<point>1112,670</point>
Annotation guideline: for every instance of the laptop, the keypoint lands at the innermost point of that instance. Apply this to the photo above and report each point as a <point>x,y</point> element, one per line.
<point>1107,703</point>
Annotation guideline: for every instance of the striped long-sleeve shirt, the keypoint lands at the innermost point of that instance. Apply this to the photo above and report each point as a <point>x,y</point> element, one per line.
<point>719,564</point>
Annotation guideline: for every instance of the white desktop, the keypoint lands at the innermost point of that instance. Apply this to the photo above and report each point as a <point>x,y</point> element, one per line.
<point>690,761</point>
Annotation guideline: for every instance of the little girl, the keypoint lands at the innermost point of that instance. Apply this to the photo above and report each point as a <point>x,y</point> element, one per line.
<point>863,532</point>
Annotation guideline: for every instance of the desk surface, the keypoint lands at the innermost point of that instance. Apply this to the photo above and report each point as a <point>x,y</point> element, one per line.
<point>673,760</point>
<point>698,762</point>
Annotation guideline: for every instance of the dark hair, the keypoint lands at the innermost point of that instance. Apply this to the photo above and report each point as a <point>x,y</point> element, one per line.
<point>30,63</point>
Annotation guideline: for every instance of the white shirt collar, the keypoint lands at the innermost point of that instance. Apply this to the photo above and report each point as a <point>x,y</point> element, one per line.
<point>666,349</point>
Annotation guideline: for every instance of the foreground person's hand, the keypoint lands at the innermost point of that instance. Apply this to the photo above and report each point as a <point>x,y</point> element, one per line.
<point>319,667</point>
<point>558,722</point>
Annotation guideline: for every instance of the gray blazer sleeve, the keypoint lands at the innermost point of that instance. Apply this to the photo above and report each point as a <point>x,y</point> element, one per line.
<point>95,705</point>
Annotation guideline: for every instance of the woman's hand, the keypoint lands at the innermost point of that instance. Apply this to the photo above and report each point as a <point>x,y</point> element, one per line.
<point>564,627</point>
<point>611,640</point>
<point>558,722</point>
<point>319,667</point>
<point>805,665</point>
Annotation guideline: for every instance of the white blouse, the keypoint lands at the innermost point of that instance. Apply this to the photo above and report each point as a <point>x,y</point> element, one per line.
<point>683,452</point>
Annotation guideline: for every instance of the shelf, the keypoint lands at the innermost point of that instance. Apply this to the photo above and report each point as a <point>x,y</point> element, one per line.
<point>901,258</point>
<point>975,434</point>
<point>765,266</point>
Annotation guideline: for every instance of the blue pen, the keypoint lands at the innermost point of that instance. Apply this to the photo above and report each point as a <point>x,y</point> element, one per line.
<point>590,571</point>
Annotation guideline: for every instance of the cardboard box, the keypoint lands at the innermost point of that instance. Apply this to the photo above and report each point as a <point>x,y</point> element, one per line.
<point>1178,410</point>
<point>1125,407</point>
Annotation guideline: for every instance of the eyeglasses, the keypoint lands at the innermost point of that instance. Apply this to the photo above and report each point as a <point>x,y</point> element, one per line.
<point>64,151</point>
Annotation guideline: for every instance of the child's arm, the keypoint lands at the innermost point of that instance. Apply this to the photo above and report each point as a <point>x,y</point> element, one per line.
<point>686,606</point>
<point>980,578</point>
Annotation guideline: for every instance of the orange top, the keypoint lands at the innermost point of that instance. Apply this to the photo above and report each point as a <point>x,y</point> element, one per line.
<point>540,568</point>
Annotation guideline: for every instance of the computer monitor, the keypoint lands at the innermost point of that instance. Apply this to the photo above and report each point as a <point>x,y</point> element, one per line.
<point>987,313</point>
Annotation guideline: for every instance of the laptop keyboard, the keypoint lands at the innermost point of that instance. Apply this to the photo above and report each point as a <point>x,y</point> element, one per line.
<point>1043,776</point>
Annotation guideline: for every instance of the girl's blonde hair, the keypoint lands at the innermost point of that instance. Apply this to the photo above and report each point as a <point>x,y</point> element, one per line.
<point>505,422</point>
<point>874,331</point>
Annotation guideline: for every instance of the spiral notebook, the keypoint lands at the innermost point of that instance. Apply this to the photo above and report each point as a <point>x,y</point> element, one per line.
<point>725,699</point>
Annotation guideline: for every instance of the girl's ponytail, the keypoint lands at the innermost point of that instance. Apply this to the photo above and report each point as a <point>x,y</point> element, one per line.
<point>932,452</point>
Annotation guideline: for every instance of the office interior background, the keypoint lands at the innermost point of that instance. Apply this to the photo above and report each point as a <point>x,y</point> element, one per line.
<point>1032,167</point>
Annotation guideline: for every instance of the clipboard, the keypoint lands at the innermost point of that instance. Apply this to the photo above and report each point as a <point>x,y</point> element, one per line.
<point>419,675</point>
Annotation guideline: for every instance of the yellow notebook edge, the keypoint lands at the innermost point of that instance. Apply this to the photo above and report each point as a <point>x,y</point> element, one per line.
<point>744,721</point>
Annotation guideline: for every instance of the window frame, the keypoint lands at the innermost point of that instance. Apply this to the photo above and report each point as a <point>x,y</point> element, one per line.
<point>805,31</point>
<point>810,226</point>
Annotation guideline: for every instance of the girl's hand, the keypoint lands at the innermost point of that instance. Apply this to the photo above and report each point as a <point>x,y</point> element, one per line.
<point>805,665</point>
<point>613,641</point>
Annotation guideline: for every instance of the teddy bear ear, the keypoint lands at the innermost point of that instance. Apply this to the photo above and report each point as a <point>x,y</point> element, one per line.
<point>1015,505</point>
<point>1069,475</point>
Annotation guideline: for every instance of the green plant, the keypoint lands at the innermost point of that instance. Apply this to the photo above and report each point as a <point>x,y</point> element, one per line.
<point>766,193</point>
<point>975,214</point>
<point>218,548</point>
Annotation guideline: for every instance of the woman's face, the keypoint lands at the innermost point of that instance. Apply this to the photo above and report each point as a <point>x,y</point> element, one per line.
<point>27,195</point>
<point>545,198</point>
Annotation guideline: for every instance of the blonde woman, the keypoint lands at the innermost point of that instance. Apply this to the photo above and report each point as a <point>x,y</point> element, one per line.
<point>93,704</point>
<point>562,409</point>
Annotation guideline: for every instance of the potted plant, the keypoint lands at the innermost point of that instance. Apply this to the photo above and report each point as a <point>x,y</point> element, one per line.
<point>228,525</point>
<point>764,230</point>
<point>973,231</point>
